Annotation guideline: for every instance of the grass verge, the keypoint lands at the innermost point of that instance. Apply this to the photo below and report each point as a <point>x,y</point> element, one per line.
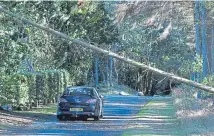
<point>156,118</point>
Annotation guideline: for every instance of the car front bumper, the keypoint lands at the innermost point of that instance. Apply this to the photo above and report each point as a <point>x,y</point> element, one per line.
<point>86,111</point>
<point>75,113</point>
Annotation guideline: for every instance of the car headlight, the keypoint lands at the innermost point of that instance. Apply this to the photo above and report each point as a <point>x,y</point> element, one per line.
<point>62,100</point>
<point>91,101</point>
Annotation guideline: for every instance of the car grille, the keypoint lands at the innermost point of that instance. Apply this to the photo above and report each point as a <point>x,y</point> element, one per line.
<point>79,104</point>
<point>67,106</point>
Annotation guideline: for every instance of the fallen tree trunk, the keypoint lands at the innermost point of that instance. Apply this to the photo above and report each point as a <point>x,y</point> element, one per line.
<point>105,52</point>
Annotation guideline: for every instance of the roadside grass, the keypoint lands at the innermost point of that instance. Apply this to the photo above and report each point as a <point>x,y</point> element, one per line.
<point>3,126</point>
<point>156,109</point>
<point>144,135</point>
<point>145,109</point>
<point>165,111</point>
<point>47,109</point>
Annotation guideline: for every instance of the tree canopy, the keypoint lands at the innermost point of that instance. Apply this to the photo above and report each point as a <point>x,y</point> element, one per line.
<point>159,34</point>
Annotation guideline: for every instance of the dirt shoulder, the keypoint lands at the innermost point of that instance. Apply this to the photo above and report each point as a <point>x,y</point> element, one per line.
<point>23,118</point>
<point>12,118</point>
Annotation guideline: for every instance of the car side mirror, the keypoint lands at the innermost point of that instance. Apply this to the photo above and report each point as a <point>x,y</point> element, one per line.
<point>60,94</point>
<point>101,96</point>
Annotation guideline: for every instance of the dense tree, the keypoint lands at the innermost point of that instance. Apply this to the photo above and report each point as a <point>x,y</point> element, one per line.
<point>159,34</point>
<point>28,49</point>
<point>155,33</point>
<point>90,22</point>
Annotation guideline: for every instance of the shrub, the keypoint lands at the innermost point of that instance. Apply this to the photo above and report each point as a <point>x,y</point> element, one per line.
<point>33,88</point>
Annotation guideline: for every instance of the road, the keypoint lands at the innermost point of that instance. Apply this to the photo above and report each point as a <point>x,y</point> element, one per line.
<point>119,116</point>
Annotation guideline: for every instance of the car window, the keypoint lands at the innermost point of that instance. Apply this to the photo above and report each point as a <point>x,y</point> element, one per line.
<point>79,91</point>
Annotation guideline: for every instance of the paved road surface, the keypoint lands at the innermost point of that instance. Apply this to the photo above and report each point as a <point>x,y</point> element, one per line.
<point>119,116</point>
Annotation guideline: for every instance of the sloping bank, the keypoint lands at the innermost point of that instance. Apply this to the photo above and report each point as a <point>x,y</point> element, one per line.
<point>195,114</point>
<point>156,118</point>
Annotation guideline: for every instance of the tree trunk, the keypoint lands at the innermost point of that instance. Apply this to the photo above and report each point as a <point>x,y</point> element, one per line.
<point>96,72</point>
<point>145,84</point>
<point>107,72</point>
<point>114,55</point>
<point>149,87</point>
<point>203,38</point>
<point>212,48</point>
<point>103,76</point>
<point>116,71</point>
<point>197,36</point>
<point>110,71</point>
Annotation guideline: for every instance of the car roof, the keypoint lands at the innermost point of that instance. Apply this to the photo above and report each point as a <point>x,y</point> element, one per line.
<point>76,87</point>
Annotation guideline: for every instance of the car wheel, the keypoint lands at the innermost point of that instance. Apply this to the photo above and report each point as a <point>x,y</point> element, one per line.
<point>96,118</point>
<point>101,115</point>
<point>59,117</point>
<point>72,119</point>
<point>84,118</point>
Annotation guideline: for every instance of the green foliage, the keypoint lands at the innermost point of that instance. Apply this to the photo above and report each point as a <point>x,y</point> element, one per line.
<point>27,88</point>
<point>209,80</point>
<point>189,66</point>
<point>15,90</point>
<point>21,43</point>
<point>94,22</point>
<point>90,22</point>
<point>159,37</point>
<point>197,64</point>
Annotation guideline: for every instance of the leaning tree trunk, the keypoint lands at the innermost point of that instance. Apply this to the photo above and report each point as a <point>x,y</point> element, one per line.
<point>114,55</point>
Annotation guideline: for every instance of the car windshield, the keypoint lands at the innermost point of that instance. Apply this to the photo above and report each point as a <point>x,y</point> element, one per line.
<point>79,91</point>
